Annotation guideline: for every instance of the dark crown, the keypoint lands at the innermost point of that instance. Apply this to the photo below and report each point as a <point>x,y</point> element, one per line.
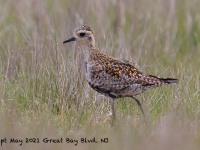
<point>85,27</point>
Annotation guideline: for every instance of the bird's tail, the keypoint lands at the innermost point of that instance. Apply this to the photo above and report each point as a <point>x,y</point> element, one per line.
<point>166,80</point>
<point>169,80</point>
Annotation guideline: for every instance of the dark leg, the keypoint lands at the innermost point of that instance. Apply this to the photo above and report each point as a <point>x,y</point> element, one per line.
<point>112,110</point>
<point>112,106</point>
<point>139,104</point>
<point>141,108</point>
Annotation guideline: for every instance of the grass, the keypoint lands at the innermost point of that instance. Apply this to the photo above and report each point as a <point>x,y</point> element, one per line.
<point>43,92</point>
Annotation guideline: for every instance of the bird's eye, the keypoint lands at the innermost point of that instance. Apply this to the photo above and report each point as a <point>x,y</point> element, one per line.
<point>82,34</point>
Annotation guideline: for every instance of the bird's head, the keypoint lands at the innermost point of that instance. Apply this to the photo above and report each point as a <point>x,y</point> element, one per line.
<point>83,35</point>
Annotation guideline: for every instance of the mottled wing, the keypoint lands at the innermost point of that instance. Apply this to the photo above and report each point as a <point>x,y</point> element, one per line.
<point>125,74</point>
<point>116,79</point>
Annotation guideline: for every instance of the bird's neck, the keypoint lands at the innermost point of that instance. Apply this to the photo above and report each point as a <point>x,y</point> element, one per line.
<point>90,52</point>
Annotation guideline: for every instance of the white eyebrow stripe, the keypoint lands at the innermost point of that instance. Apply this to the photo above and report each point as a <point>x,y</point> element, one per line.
<point>83,31</point>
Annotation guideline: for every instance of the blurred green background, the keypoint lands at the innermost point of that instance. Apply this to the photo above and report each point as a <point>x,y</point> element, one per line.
<point>43,92</point>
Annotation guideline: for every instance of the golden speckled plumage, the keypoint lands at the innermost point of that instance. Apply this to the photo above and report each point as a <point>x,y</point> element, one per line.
<point>116,78</point>
<point>110,76</point>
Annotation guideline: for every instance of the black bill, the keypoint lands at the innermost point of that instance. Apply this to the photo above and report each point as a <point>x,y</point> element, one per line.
<point>70,40</point>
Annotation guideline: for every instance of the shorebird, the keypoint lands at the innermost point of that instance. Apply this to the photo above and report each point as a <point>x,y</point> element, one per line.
<point>110,76</point>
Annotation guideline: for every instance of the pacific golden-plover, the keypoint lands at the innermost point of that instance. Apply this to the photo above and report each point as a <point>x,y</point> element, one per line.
<point>110,76</point>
